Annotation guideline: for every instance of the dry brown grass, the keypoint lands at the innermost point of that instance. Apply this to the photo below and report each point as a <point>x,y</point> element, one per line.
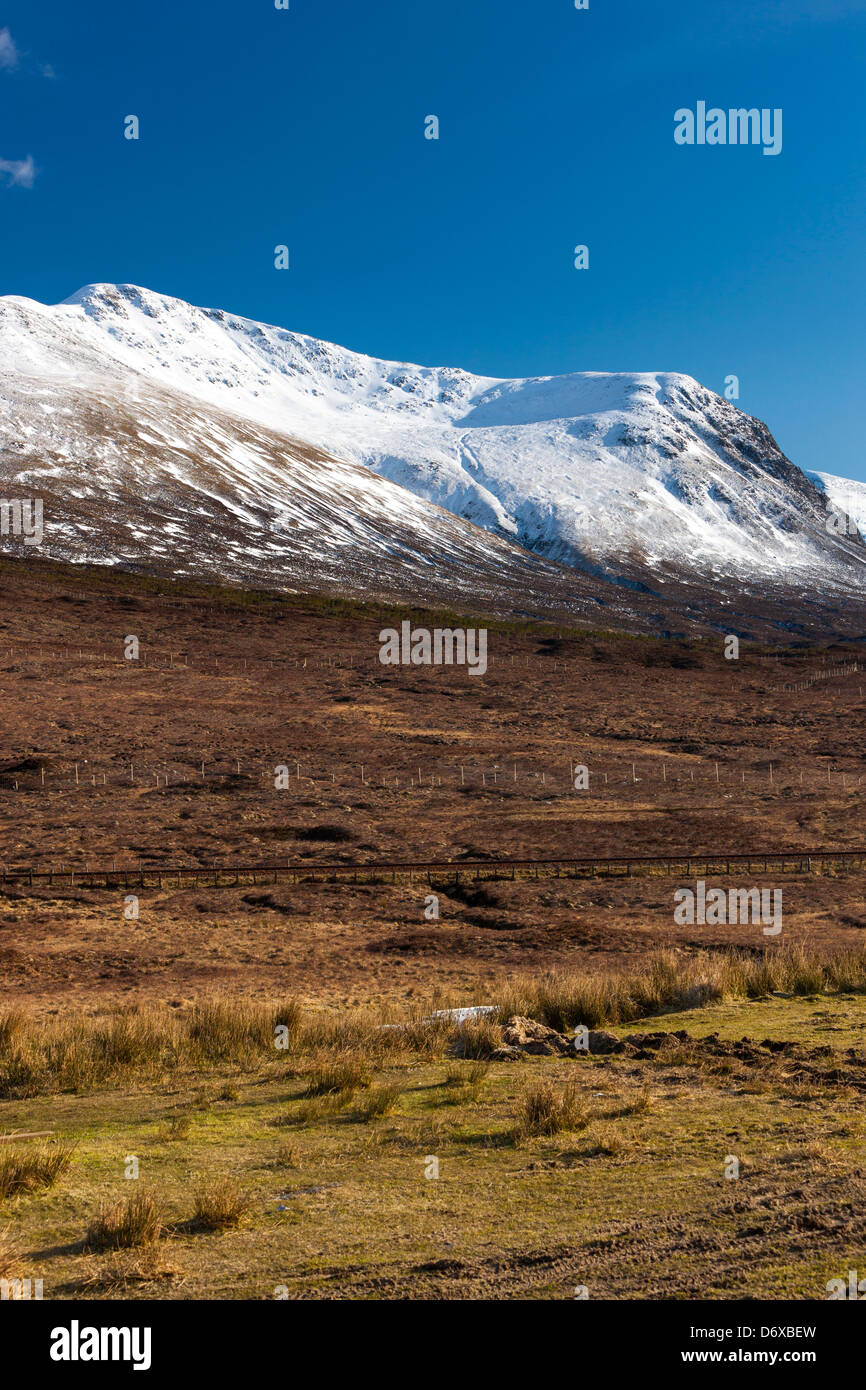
<point>549,1109</point>
<point>121,1270</point>
<point>379,1101</point>
<point>463,1084</point>
<point>476,1038</point>
<point>683,1052</point>
<point>286,1156</point>
<point>816,1153</point>
<point>175,1130</point>
<point>225,1029</point>
<point>318,1108</point>
<point>342,1077</point>
<point>458,1077</point>
<point>135,1221</point>
<point>220,1205</point>
<point>564,1000</point>
<point>10,1255</point>
<point>75,1052</point>
<point>71,1053</point>
<point>12,1023</point>
<point>638,1104</point>
<point>32,1170</point>
<point>610,1144</point>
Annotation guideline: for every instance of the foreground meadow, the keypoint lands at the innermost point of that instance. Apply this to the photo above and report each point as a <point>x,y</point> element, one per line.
<point>287,1153</point>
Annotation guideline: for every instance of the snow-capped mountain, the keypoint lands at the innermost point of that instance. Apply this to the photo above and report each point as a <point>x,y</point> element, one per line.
<point>847,503</point>
<point>213,444</point>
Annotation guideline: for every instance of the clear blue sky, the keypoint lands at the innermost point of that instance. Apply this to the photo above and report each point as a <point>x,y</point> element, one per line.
<point>306,127</point>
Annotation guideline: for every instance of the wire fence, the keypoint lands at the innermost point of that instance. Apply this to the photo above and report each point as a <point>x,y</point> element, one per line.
<point>583,775</point>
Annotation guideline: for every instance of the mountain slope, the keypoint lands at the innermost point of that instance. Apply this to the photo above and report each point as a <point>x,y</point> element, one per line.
<point>196,432</point>
<point>847,499</point>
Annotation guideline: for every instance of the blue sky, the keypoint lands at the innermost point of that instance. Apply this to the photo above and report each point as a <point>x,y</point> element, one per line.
<point>305,127</point>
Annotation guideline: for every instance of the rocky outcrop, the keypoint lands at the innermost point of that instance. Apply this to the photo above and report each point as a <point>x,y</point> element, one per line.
<point>527,1035</point>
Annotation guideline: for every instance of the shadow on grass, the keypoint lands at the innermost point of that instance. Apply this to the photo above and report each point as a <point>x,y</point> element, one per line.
<point>73,1247</point>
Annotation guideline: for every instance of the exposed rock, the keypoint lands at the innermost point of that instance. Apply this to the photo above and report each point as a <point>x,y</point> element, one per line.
<point>535,1038</point>
<point>602,1043</point>
<point>654,1041</point>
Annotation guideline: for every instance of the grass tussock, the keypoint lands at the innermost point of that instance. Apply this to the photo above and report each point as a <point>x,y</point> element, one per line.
<point>176,1130</point>
<point>378,1102</point>
<point>463,1084</point>
<point>220,1206</point>
<point>686,1052</point>
<point>341,1077</point>
<point>123,1269</point>
<point>33,1170</point>
<point>316,1110</point>
<point>76,1053</point>
<point>122,1225</point>
<point>287,1156</point>
<point>472,1076</point>
<point>231,1030</point>
<point>639,1104</point>
<point>551,1109</point>
<point>477,1038</point>
<point>610,1144</point>
<point>12,1024</point>
<point>69,1053</point>
<point>562,1000</point>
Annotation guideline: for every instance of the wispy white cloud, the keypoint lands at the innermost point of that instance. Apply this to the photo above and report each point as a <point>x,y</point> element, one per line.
<point>9,55</point>
<point>13,60</point>
<point>18,172</point>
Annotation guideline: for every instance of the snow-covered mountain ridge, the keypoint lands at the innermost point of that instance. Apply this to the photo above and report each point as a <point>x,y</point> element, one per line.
<point>639,478</point>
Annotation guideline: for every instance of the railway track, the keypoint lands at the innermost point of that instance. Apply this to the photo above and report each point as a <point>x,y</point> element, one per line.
<point>226,875</point>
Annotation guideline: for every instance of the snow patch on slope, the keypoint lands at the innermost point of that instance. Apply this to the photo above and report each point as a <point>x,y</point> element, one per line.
<point>848,499</point>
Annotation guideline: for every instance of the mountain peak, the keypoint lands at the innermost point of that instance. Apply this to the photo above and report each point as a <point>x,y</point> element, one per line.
<point>640,478</point>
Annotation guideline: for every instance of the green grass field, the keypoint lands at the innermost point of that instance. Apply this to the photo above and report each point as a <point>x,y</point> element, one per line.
<point>311,1172</point>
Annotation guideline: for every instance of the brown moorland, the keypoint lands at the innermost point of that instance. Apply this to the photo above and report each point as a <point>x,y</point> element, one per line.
<point>713,1150</point>
<point>101,764</point>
